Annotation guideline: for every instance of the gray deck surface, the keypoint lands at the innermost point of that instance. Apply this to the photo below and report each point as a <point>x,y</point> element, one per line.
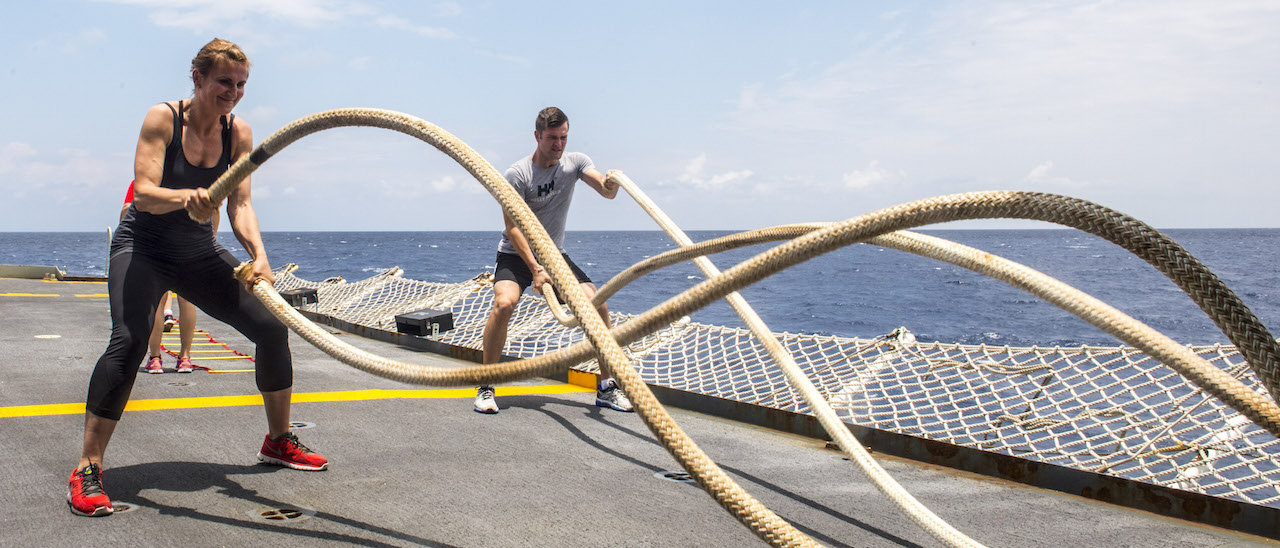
<point>549,470</point>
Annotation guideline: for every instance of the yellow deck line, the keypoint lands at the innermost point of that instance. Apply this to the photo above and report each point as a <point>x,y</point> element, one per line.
<point>71,282</point>
<point>92,295</point>
<point>306,397</point>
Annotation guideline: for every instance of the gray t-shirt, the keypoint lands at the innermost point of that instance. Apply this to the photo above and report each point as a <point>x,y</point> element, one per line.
<point>548,191</point>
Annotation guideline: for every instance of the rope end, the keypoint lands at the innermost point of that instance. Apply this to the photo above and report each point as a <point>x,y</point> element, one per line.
<point>205,220</point>
<point>244,271</point>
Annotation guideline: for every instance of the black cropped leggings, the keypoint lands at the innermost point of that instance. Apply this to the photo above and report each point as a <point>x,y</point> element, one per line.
<point>136,281</point>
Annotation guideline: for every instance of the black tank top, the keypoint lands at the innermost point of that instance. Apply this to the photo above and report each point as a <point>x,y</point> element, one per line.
<point>174,235</point>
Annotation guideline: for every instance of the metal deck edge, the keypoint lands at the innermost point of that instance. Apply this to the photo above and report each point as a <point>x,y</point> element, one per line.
<point>40,272</point>
<point>31,272</point>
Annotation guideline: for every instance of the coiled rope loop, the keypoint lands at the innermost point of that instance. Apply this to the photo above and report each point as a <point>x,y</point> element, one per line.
<point>807,241</point>
<point>762,521</point>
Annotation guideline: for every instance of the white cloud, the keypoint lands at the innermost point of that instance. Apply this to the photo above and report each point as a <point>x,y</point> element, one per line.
<point>400,23</point>
<point>63,170</point>
<point>448,9</point>
<point>1150,95</point>
<point>872,176</point>
<point>203,16</point>
<point>444,184</point>
<point>729,177</point>
<point>13,155</point>
<point>54,185</point>
<point>513,59</point>
<point>1042,176</point>
<point>694,169</point>
<point>893,14</point>
<point>693,176</point>
<point>90,41</point>
<point>1040,172</point>
<point>748,94</point>
<point>1030,68</point>
<point>259,112</point>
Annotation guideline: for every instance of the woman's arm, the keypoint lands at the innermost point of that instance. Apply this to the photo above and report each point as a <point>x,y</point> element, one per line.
<point>244,222</point>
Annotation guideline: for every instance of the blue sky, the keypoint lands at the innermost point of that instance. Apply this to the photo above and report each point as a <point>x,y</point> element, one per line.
<point>733,115</point>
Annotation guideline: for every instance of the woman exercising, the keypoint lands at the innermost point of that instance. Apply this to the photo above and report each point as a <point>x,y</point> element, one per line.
<point>184,146</point>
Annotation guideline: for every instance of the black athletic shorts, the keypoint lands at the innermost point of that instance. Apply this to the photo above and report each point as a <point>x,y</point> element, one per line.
<point>512,267</point>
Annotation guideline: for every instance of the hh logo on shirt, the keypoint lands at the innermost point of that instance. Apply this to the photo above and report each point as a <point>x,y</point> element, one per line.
<point>546,189</point>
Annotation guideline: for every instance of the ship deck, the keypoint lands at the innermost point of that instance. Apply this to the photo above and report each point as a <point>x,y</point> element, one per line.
<point>414,466</point>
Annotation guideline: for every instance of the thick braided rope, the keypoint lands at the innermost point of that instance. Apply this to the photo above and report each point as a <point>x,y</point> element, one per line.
<point>1257,407</point>
<point>763,522</point>
<point>978,205</point>
<point>1221,385</point>
<point>558,312</point>
<point>1260,409</point>
<point>826,416</point>
<point>1228,312</point>
<point>1052,290</point>
<point>935,210</point>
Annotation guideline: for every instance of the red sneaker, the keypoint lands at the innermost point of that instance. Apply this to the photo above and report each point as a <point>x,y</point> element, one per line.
<point>184,365</point>
<point>85,496</point>
<point>288,451</point>
<point>154,365</point>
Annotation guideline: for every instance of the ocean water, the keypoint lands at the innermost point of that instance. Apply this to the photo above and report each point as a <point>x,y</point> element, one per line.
<point>861,290</point>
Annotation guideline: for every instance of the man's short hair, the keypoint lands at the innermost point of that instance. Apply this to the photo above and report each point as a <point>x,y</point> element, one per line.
<point>550,117</point>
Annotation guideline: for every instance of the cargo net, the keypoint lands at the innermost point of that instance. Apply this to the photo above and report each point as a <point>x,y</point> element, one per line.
<point>1104,409</point>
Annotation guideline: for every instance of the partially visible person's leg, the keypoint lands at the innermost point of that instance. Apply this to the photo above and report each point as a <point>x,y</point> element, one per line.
<point>168,311</point>
<point>506,295</point>
<point>155,361</point>
<point>186,333</point>
<point>608,393</point>
<point>590,290</point>
<point>132,304</point>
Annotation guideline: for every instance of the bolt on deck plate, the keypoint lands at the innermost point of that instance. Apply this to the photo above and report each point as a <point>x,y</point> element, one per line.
<point>280,514</point>
<point>679,477</point>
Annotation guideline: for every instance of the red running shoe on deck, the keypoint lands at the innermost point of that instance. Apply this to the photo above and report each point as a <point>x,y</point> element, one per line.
<point>85,496</point>
<point>288,451</point>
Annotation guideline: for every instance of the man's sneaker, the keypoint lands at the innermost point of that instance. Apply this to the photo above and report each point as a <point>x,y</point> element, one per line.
<point>485,402</point>
<point>168,322</point>
<point>288,451</point>
<point>608,394</point>
<point>85,496</point>
<point>184,365</point>
<point>154,365</point>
